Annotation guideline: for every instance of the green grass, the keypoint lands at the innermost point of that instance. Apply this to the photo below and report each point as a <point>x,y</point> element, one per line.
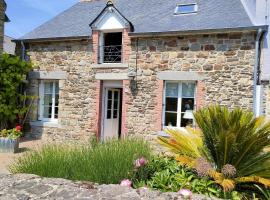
<point>104,163</point>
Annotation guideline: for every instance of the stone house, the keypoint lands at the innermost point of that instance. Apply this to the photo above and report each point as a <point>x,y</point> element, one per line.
<point>3,19</point>
<point>125,67</point>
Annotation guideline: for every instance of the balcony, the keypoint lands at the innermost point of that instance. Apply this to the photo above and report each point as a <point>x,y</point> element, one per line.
<point>112,54</point>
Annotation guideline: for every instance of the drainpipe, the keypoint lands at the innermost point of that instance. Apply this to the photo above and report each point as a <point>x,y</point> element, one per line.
<point>23,51</point>
<point>256,76</point>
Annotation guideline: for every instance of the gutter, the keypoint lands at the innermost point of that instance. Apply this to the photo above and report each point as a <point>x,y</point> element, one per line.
<point>256,75</point>
<point>56,39</point>
<point>201,31</point>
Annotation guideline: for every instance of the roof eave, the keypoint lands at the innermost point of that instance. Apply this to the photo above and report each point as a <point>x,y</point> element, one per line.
<point>52,39</point>
<point>201,31</point>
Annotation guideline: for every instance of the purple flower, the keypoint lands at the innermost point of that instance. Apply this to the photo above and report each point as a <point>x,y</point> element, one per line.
<point>140,162</point>
<point>185,193</point>
<point>126,183</point>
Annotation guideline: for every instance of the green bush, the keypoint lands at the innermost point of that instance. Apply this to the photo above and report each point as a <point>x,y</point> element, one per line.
<point>165,174</point>
<point>13,72</point>
<point>104,163</point>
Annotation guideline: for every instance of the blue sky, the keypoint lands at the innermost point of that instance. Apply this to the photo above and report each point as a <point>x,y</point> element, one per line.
<point>25,15</point>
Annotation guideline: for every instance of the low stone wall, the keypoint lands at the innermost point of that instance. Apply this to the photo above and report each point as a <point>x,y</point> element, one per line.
<point>33,187</point>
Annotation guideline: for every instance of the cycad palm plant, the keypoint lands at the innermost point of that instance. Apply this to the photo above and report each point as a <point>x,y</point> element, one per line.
<point>233,142</point>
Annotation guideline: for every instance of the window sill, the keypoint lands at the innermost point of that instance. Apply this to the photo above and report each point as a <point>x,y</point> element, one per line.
<point>45,124</point>
<point>109,65</point>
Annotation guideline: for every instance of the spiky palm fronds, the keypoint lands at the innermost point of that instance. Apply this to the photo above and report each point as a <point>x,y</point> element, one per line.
<point>237,138</point>
<point>187,142</point>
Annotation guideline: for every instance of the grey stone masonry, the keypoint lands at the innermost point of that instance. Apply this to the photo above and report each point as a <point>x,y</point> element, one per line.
<point>2,21</point>
<point>27,187</point>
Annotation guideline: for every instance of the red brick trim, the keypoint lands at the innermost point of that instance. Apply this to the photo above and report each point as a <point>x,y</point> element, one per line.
<point>159,107</point>
<point>125,100</point>
<point>95,39</point>
<point>99,86</point>
<point>200,93</point>
<point>126,46</point>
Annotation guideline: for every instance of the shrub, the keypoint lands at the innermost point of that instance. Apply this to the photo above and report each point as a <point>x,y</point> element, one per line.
<point>165,174</point>
<point>233,146</point>
<point>104,163</point>
<point>13,72</point>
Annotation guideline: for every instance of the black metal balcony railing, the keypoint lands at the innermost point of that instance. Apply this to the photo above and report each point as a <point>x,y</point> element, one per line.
<point>112,54</point>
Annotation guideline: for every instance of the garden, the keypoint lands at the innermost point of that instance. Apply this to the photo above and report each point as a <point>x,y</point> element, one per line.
<point>224,158</point>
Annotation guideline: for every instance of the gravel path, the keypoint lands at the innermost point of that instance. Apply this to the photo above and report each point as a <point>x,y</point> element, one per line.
<point>25,145</point>
<point>26,187</point>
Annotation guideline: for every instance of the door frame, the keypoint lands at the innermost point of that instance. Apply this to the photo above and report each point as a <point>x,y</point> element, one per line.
<point>111,85</point>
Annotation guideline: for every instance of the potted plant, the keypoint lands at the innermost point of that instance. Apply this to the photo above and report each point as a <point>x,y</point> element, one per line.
<point>9,140</point>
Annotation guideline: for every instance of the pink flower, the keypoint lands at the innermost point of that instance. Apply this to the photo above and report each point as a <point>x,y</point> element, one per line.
<point>18,128</point>
<point>185,193</point>
<point>140,162</point>
<point>126,183</point>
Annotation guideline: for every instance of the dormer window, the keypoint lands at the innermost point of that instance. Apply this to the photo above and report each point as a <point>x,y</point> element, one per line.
<point>110,47</point>
<point>186,8</point>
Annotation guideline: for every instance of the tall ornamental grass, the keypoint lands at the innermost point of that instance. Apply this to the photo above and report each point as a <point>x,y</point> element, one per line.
<point>104,163</point>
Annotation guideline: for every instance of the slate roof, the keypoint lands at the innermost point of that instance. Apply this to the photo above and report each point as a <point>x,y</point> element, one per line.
<point>146,16</point>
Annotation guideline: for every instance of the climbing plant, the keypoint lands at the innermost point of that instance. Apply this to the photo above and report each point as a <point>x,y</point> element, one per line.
<point>13,72</point>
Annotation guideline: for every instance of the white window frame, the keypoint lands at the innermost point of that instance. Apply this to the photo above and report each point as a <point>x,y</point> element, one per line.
<point>41,101</point>
<point>184,13</point>
<point>179,105</point>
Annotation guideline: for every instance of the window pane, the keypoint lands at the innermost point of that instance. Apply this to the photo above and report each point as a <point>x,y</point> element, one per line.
<point>115,114</point>
<point>109,94</point>
<point>109,106</point>
<point>109,114</point>
<point>47,112</point>
<point>185,122</point>
<point>187,104</point>
<point>48,87</point>
<point>56,113</point>
<point>170,119</point>
<point>186,8</point>
<point>56,88</point>
<point>56,99</point>
<point>171,104</point>
<point>172,89</point>
<point>116,95</point>
<point>188,89</point>
<point>115,104</point>
<point>48,99</point>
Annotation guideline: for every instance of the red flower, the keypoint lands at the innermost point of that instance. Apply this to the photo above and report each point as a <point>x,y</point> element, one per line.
<point>18,128</point>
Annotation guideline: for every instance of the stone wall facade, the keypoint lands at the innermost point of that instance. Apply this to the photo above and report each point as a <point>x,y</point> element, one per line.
<point>2,21</point>
<point>225,60</point>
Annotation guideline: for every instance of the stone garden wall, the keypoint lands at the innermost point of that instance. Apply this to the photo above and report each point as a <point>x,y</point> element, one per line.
<point>225,60</point>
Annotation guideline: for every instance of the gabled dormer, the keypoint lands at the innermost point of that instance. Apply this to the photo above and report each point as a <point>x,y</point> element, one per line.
<point>109,36</point>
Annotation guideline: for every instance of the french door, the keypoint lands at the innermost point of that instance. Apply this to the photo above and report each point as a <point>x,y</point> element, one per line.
<point>111,116</point>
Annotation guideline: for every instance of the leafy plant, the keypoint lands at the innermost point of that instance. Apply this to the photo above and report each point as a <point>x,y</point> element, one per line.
<point>104,163</point>
<point>13,72</point>
<point>230,150</point>
<point>265,192</point>
<point>11,134</point>
<point>165,174</point>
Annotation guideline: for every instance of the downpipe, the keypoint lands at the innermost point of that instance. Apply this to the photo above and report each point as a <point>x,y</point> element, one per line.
<point>256,75</point>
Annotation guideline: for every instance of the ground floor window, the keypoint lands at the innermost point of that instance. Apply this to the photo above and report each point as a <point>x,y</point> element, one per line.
<point>48,100</point>
<point>179,103</point>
